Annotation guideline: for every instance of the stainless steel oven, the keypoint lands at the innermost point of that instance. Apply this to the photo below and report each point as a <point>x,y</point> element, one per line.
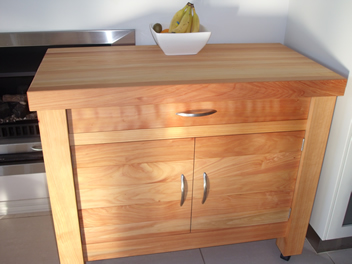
<point>22,172</point>
<point>22,182</point>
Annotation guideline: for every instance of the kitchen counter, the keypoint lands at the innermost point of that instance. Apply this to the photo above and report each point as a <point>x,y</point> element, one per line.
<point>79,76</point>
<point>116,139</point>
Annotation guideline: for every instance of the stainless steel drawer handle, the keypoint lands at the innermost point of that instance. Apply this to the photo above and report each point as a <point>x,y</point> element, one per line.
<point>37,148</point>
<point>197,112</point>
<point>205,186</point>
<point>182,189</point>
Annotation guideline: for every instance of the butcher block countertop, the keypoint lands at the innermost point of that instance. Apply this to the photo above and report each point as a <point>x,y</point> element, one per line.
<point>71,78</point>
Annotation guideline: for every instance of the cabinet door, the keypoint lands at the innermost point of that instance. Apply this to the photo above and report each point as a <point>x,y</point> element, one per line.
<point>133,190</point>
<point>250,179</point>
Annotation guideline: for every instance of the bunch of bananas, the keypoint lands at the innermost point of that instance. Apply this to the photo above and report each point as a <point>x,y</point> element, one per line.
<point>184,21</point>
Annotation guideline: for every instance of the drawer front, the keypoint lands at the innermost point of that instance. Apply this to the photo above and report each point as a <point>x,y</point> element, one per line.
<point>164,115</point>
<point>249,182</point>
<point>133,190</point>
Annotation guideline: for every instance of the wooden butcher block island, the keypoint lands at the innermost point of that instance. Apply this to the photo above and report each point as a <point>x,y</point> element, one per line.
<point>147,153</point>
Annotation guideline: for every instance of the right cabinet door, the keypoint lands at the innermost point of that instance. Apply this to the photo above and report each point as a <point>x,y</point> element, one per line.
<point>244,180</point>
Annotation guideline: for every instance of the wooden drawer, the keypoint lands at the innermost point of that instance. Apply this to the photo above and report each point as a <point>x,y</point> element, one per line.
<point>164,115</point>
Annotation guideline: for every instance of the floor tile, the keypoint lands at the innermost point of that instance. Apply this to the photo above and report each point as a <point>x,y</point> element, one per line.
<point>31,240</point>
<point>179,257</point>
<point>343,256</point>
<point>28,240</point>
<point>259,252</point>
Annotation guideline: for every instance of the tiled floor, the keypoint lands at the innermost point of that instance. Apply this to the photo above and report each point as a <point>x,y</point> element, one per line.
<point>29,239</point>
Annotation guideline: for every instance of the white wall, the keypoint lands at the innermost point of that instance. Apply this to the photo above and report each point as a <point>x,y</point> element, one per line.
<point>230,21</point>
<point>321,29</point>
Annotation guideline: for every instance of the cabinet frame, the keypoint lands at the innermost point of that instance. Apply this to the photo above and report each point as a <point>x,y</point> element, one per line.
<point>290,240</point>
<point>54,91</point>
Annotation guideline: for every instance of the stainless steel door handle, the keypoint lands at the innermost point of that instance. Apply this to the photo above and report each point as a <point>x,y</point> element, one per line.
<point>205,187</point>
<point>182,189</point>
<point>196,113</point>
<point>37,148</point>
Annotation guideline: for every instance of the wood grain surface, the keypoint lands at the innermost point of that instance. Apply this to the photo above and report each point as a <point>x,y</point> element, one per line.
<point>133,213</point>
<point>252,174</point>
<point>253,144</point>
<point>152,245</point>
<point>132,152</point>
<point>185,132</point>
<point>164,115</point>
<point>138,230</point>
<point>319,120</point>
<point>136,210</point>
<point>134,191</point>
<point>99,76</point>
<point>58,168</point>
<point>130,195</point>
<point>239,219</point>
<point>130,174</point>
<point>248,174</point>
<point>143,65</point>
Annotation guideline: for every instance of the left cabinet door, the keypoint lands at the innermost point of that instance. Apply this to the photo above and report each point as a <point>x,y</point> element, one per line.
<point>132,190</point>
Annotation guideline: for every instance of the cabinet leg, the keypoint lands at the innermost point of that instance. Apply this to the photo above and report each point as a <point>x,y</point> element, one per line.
<point>287,258</point>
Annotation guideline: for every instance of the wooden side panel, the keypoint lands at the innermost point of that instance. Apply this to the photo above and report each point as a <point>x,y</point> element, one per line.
<point>250,182</point>
<point>134,189</point>
<point>185,132</point>
<point>319,120</point>
<point>164,115</point>
<point>183,241</point>
<point>56,150</point>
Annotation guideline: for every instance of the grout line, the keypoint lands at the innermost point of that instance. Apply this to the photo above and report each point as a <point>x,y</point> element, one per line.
<point>327,253</point>
<point>25,215</point>
<point>200,250</point>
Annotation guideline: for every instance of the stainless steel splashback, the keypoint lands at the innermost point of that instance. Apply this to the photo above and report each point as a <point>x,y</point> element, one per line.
<point>63,38</point>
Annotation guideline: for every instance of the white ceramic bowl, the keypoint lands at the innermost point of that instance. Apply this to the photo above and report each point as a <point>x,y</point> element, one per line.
<point>181,43</point>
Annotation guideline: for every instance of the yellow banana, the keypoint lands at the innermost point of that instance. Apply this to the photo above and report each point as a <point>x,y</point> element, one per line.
<point>188,30</point>
<point>177,18</point>
<point>195,21</point>
<point>186,19</point>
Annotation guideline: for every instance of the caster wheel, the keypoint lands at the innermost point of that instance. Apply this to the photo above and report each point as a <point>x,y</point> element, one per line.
<point>287,258</point>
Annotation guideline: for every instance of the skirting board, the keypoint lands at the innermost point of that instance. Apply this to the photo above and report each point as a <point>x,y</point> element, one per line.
<point>327,245</point>
<point>24,206</point>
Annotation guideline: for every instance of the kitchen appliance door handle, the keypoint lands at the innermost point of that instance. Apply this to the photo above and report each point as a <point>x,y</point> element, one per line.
<point>205,186</point>
<point>196,113</point>
<point>182,189</point>
<point>37,148</point>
